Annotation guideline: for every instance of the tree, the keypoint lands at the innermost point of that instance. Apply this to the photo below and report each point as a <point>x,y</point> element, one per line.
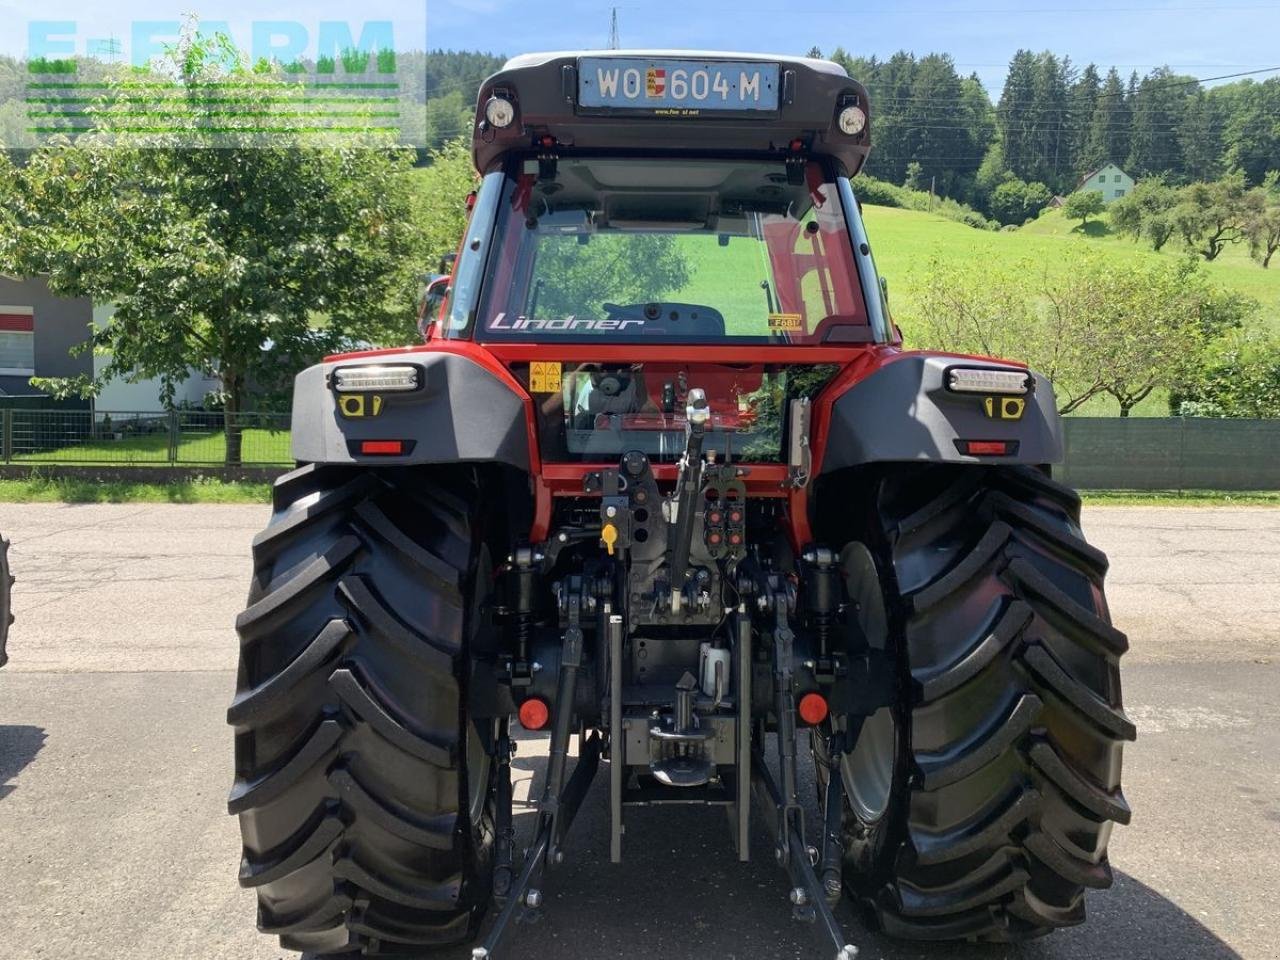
<point>1015,202</point>
<point>1199,137</point>
<point>1209,216</point>
<point>1108,136</point>
<point>1146,212</point>
<point>1158,112</point>
<point>1251,135</point>
<point>1160,318</point>
<point>1082,104</point>
<point>245,262</point>
<point>1239,378</point>
<point>1264,230</point>
<point>1019,312</point>
<point>915,176</point>
<point>438,201</point>
<point>1124,328</point>
<point>1084,204</point>
<point>1017,114</point>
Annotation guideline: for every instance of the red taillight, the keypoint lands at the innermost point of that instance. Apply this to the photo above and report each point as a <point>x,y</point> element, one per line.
<point>534,714</point>
<point>392,448</point>
<point>812,708</point>
<point>986,448</point>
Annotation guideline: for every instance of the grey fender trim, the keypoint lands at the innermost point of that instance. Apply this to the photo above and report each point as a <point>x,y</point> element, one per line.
<point>462,412</point>
<point>904,412</point>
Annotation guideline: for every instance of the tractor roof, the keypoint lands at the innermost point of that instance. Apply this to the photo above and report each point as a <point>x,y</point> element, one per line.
<point>553,97</point>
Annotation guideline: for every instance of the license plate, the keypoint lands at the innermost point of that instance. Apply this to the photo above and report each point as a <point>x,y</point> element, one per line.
<point>676,87</point>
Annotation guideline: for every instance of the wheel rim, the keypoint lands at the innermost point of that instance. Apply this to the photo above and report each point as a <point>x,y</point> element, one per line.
<point>477,775</point>
<point>867,772</point>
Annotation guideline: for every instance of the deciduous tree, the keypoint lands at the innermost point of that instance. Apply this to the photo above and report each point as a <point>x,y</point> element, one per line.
<point>1123,328</point>
<point>1209,216</point>
<point>1084,204</point>
<point>1264,230</point>
<point>242,261</point>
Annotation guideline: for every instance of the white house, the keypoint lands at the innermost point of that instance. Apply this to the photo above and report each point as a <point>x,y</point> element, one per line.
<point>1113,182</point>
<point>143,396</point>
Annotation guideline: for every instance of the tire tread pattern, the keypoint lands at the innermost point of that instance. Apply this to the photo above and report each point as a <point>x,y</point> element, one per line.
<point>350,777</point>
<point>1015,718</point>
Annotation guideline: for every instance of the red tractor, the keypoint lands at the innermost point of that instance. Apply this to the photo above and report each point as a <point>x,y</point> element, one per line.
<point>663,477</point>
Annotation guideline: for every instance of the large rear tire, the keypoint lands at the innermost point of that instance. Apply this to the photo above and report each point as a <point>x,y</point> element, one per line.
<point>1005,752</point>
<point>6,600</point>
<point>363,791</point>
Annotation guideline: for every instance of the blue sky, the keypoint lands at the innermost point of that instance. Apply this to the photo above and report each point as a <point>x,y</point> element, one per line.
<point>1198,37</point>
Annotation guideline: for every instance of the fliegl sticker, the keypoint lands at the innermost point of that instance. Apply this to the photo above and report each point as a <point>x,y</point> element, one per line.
<point>785,321</point>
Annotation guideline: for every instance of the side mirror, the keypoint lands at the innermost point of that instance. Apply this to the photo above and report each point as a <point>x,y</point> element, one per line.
<point>431,298</point>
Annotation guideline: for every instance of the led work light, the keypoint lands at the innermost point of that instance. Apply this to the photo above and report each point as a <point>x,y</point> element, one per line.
<point>383,378</point>
<point>986,380</point>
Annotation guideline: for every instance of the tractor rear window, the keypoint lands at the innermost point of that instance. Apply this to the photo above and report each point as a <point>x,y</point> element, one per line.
<point>686,251</point>
<point>594,412</point>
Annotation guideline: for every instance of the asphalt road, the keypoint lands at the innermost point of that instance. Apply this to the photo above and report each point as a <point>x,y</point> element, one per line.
<point>115,763</point>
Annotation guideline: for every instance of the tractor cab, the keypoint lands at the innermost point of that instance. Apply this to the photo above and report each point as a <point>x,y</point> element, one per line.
<point>651,224</point>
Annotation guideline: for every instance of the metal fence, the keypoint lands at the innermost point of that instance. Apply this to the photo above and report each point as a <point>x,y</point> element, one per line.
<point>1102,453</point>
<point>1182,453</point>
<point>132,438</point>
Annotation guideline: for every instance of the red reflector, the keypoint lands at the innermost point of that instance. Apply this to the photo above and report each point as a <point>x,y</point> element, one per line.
<point>392,447</point>
<point>534,714</point>
<point>797,146</point>
<point>987,448</point>
<point>812,709</point>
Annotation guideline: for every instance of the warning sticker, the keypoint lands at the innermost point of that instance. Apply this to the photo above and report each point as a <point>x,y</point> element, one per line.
<point>784,321</point>
<point>544,376</point>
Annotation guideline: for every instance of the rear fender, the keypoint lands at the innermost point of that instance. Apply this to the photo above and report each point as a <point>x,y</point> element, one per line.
<point>466,409</point>
<point>902,411</point>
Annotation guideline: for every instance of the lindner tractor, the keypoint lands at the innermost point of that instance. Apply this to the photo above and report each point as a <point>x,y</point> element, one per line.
<point>663,480</point>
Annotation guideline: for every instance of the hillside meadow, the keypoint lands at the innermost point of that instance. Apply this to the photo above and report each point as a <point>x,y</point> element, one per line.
<point>905,242</point>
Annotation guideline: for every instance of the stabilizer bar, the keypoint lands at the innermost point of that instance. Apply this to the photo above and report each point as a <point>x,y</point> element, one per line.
<point>525,895</point>
<point>807,892</point>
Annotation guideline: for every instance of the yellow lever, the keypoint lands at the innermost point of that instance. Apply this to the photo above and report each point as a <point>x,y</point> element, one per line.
<point>609,534</point>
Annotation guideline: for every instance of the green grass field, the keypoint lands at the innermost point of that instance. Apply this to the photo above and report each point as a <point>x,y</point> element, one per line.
<point>905,241</point>
<point>257,447</point>
<point>74,490</point>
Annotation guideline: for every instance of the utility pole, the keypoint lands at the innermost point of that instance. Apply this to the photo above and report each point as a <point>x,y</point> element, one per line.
<point>614,43</point>
<point>111,48</point>
<point>933,183</point>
